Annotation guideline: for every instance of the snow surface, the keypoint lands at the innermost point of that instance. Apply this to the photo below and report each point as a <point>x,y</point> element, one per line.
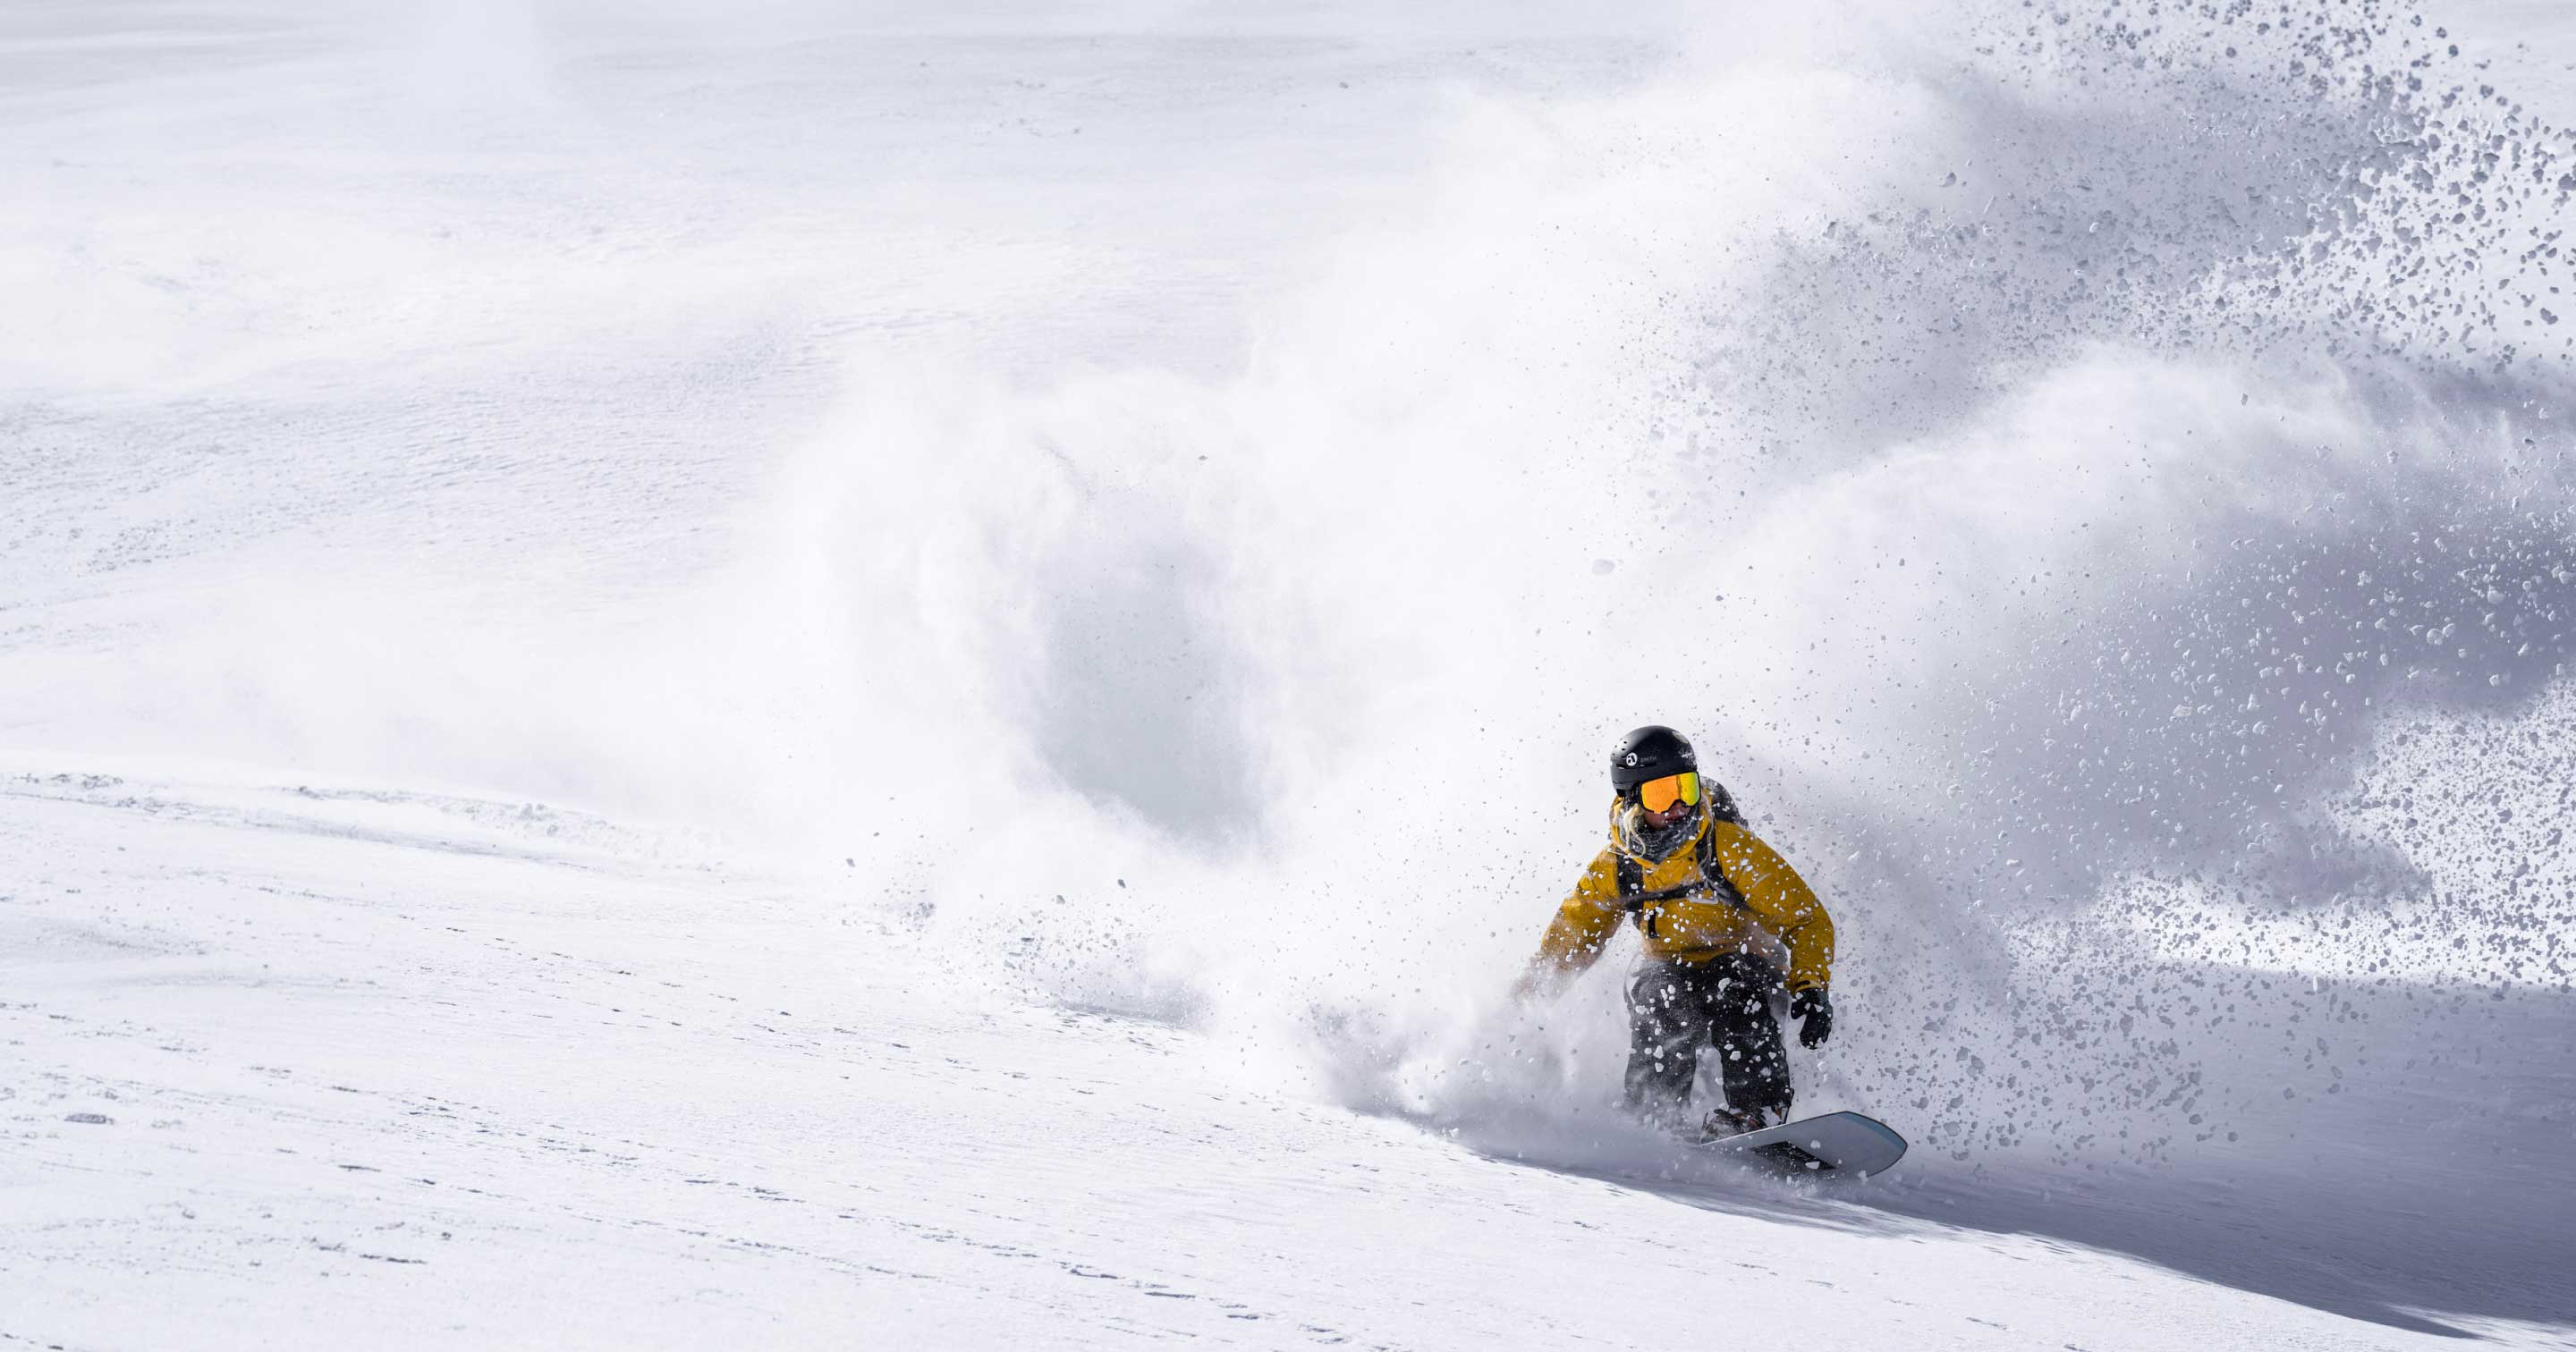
<point>818,673</point>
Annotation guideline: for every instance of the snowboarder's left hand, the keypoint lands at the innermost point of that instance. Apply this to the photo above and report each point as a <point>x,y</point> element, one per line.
<point>1814,1011</point>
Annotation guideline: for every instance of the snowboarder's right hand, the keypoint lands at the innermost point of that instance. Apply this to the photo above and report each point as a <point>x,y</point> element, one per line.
<point>1814,1011</point>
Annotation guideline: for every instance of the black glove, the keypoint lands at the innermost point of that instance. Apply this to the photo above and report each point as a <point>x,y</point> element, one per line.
<point>1814,1011</point>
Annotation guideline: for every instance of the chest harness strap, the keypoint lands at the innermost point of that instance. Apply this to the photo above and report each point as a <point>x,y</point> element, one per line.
<point>1711,883</point>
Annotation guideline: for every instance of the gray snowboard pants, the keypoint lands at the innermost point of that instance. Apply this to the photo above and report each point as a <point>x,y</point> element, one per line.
<point>1674,1010</point>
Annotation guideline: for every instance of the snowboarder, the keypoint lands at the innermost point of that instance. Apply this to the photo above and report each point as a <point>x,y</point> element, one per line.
<point>1713,905</point>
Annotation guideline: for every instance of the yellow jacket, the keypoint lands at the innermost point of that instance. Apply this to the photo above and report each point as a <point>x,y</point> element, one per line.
<point>1745,896</point>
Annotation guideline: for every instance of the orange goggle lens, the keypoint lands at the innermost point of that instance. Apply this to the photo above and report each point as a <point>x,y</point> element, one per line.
<point>1659,795</point>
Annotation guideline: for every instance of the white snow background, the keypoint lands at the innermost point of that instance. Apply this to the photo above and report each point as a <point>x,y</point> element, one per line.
<point>802,675</point>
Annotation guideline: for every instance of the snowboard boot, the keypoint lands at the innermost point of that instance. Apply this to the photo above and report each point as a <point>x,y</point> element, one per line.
<point>1725,1122</point>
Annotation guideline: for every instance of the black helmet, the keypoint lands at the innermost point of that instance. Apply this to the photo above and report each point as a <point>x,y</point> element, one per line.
<point>1650,752</point>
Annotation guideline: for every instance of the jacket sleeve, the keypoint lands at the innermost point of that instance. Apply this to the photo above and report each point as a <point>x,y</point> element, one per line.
<point>1781,901</point>
<point>1583,924</point>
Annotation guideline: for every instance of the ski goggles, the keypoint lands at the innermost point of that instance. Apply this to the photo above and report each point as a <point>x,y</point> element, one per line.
<point>1659,795</point>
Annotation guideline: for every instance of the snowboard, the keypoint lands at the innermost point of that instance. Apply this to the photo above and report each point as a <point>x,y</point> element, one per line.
<point>1829,1143</point>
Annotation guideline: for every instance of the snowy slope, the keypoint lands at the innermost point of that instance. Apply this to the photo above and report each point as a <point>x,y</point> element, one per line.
<point>673,677</point>
<point>436,1073</point>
